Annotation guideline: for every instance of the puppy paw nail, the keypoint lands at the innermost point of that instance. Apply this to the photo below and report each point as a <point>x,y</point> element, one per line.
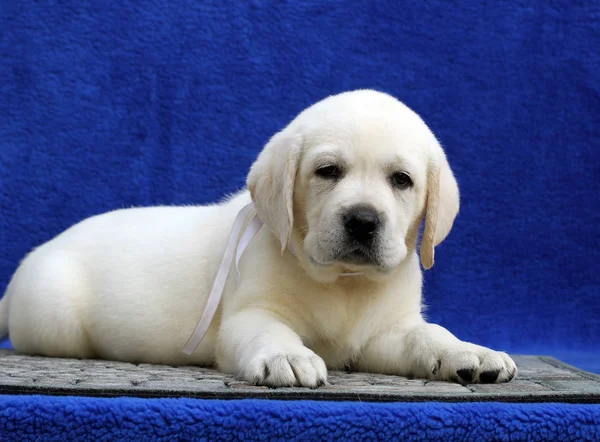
<point>511,375</point>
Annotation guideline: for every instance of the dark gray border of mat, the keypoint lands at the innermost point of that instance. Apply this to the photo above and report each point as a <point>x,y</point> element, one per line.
<point>301,394</point>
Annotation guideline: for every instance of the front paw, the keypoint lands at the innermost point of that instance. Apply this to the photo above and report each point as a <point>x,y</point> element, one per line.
<point>469,363</point>
<point>299,367</point>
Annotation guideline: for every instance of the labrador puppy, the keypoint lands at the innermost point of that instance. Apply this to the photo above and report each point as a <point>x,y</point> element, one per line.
<point>332,281</point>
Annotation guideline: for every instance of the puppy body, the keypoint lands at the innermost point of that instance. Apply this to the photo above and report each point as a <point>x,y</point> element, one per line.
<point>127,285</point>
<point>345,187</point>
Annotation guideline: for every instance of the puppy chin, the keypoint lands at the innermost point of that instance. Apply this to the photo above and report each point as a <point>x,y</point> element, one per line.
<point>333,273</point>
<point>324,275</point>
<point>322,267</point>
<point>328,273</point>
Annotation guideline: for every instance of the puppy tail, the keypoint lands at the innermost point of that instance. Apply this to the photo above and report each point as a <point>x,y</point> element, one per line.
<point>4,317</point>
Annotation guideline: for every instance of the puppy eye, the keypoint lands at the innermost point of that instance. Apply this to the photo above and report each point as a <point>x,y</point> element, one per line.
<point>329,172</point>
<point>401,180</point>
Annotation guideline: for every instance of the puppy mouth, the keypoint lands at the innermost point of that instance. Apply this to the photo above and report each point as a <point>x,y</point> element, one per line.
<point>356,257</point>
<point>359,257</point>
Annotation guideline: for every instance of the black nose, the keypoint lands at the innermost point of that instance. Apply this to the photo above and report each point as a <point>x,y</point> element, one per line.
<point>361,222</point>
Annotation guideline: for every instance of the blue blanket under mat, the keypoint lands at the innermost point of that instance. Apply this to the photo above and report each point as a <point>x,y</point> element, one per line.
<point>70,418</point>
<point>110,104</point>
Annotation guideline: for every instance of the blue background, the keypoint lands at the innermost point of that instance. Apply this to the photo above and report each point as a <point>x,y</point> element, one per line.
<point>106,105</point>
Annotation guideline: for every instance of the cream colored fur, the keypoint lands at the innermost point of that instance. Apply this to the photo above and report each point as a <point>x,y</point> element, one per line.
<point>130,285</point>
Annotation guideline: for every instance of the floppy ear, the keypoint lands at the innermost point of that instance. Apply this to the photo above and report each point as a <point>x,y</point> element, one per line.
<point>271,183</point>
<point>441,206</point>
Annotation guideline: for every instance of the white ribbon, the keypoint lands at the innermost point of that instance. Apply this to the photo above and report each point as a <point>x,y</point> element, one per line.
<point>219,284</point>
<point>221,279</point>
<point>251,229</point>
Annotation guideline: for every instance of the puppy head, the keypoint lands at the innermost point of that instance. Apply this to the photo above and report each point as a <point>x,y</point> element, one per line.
<point>348,183</point>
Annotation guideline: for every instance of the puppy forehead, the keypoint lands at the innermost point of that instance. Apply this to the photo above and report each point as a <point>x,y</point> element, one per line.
<point>365,128</point>
<point>374,147</point>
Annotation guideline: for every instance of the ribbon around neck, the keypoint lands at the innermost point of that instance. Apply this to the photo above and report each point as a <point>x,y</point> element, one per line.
<point>230,254</point>
<point>221,279</point>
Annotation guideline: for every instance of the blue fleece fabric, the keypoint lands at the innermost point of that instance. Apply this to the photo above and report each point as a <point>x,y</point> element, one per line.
<point>109,104</point>
<point>31,418</point>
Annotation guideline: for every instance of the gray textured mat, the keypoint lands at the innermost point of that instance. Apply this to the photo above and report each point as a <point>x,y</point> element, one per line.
<point>540,379</point>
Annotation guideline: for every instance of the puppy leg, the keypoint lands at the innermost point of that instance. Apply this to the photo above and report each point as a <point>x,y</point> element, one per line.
<point>46,296</point>
<point>432,352</point>
<point>257,346</point>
